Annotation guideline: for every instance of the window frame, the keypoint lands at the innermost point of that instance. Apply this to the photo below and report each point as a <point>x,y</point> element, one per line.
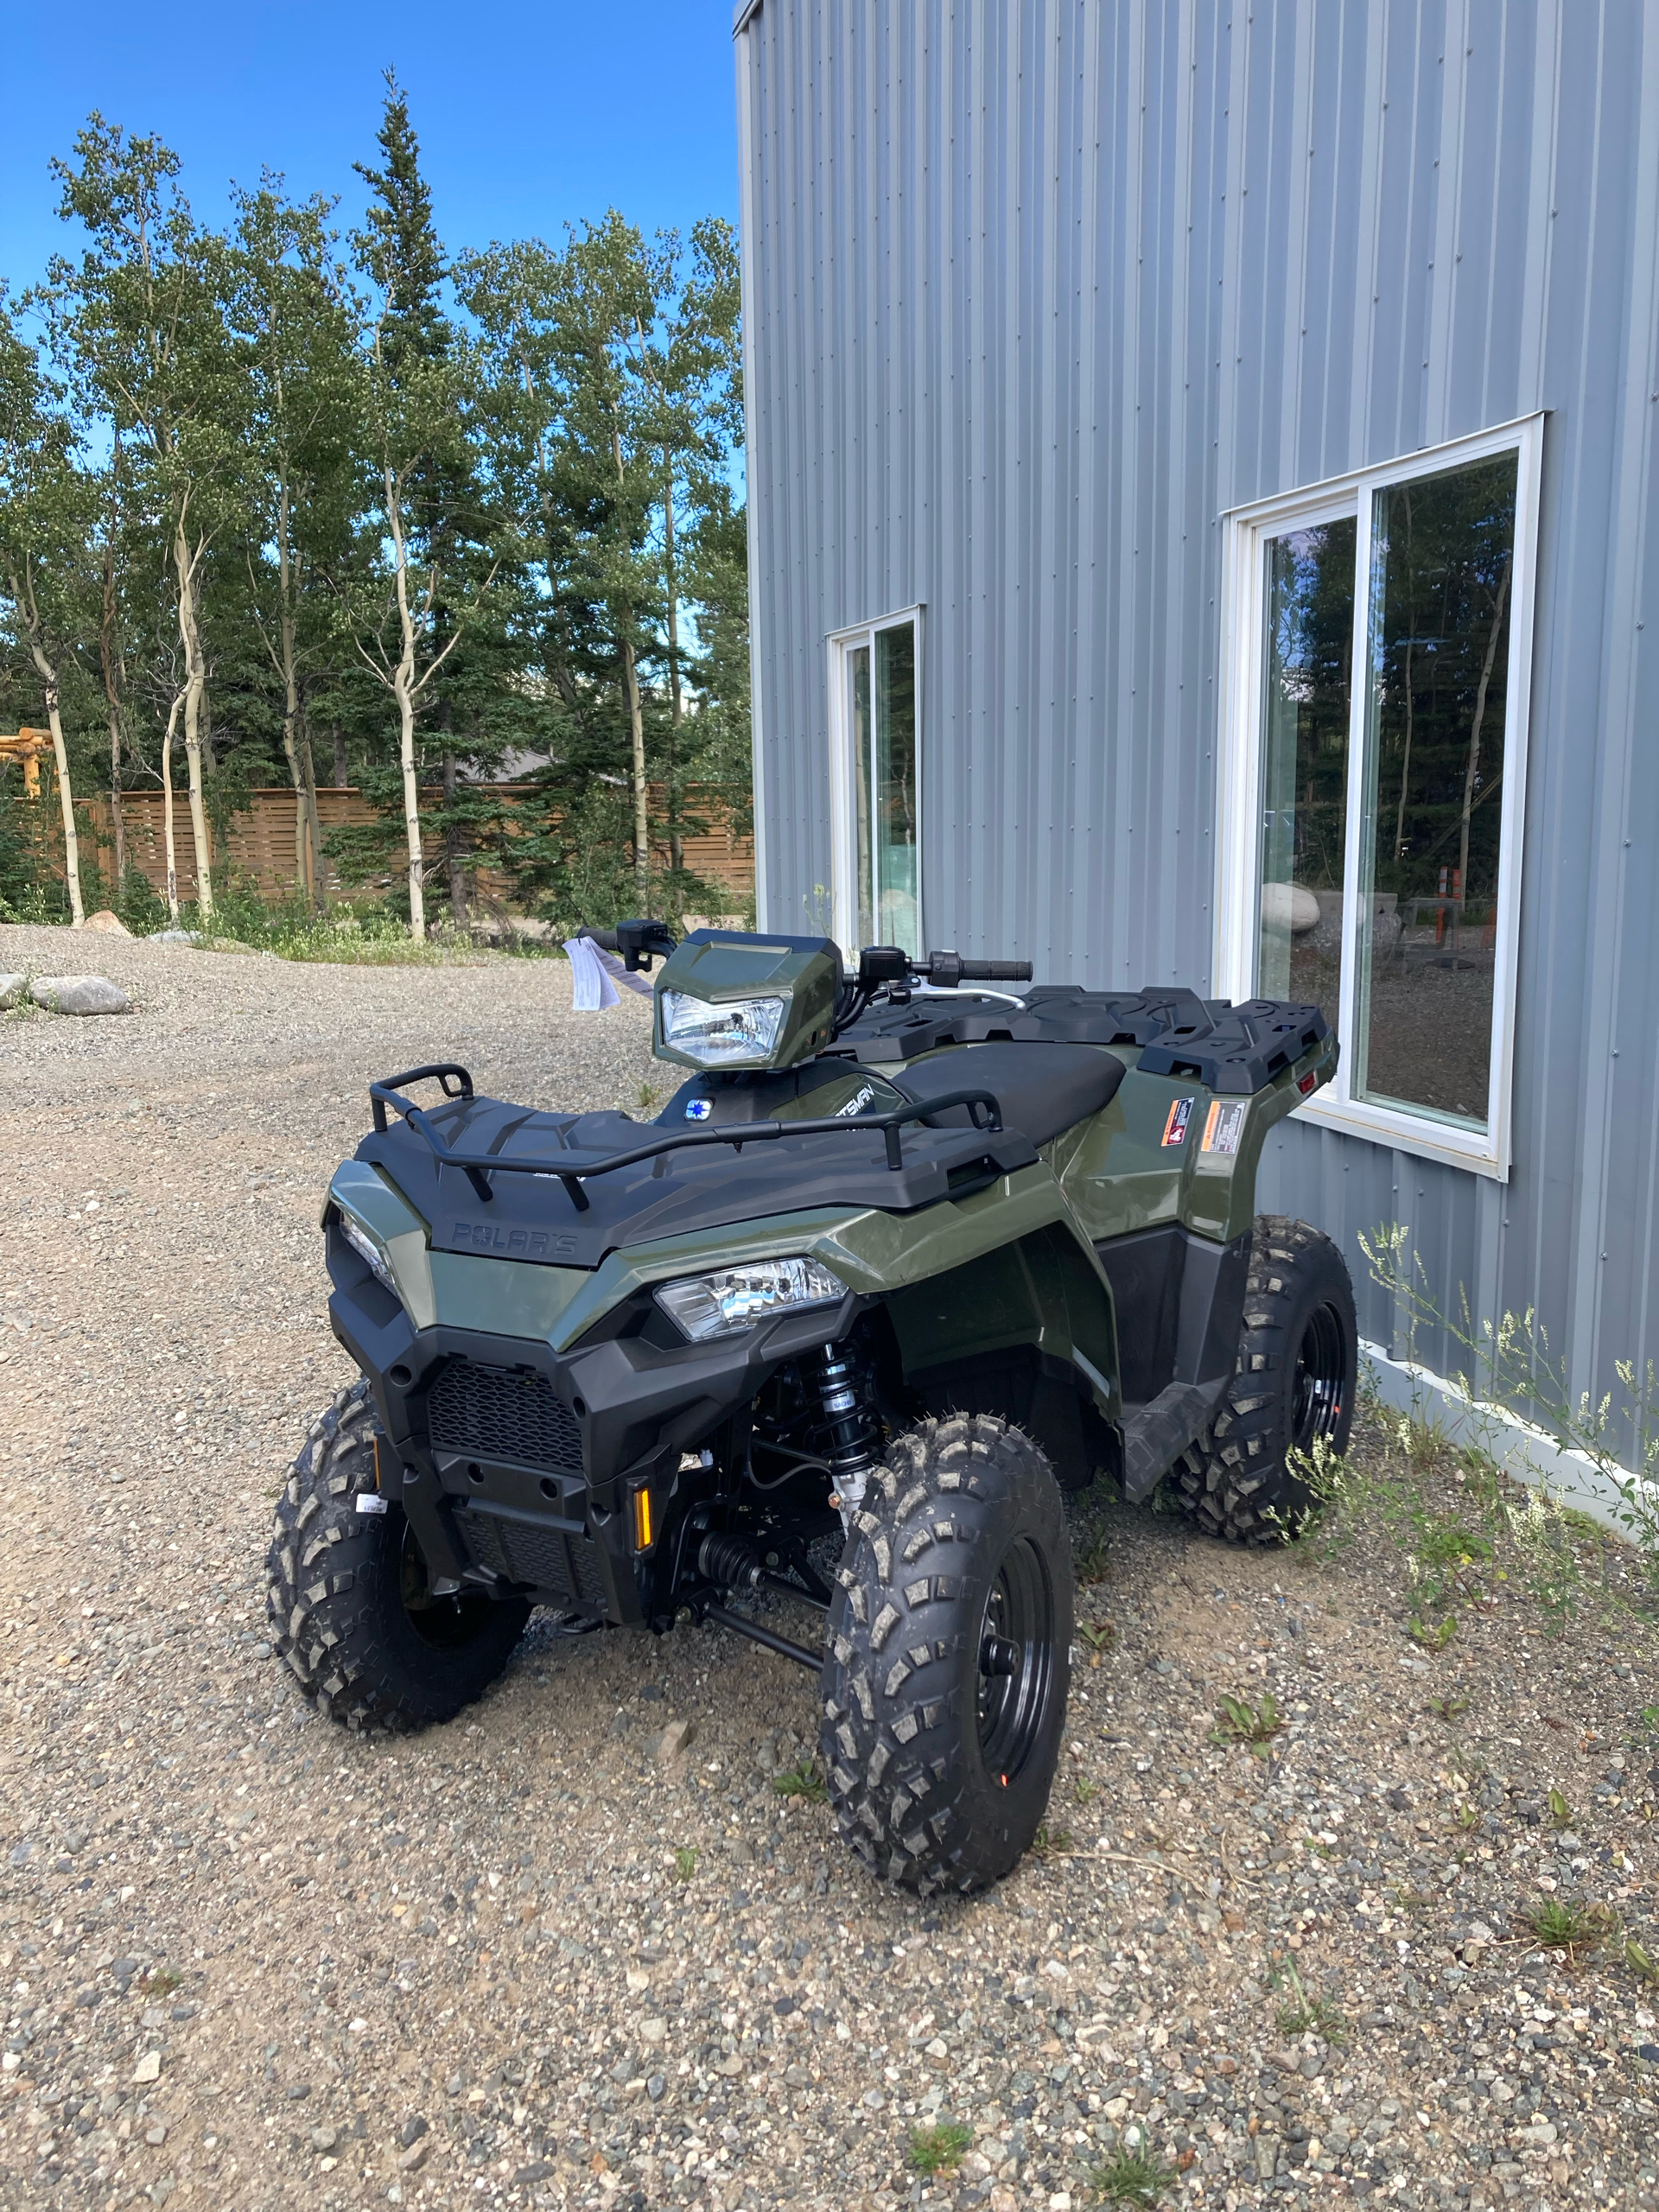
<point>843,784</point>
<point>1246,530</point>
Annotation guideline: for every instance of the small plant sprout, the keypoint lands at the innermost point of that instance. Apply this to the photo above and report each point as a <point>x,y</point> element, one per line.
<point>1238,1722</point>
<point>1468,1816</point>
<point>1561,1813</point>
<point>1562,1925</point>
<point>1641,1962</point>
<point>646,1098</point>
<point>1302,2015</point>
<point>1094,1560</point>
<point>1084,1792</point>
<point>685,1862</point>
<point>1433,1637</point>
<point>1100,1636</point>
<point>938,2149</point>
<point>1448,1709</point>
<point>1050,1843</point>
<point>801,1781</point>
<point>1134,2176</point>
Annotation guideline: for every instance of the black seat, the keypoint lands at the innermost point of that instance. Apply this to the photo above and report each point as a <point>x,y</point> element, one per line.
<point>1041,1088</point>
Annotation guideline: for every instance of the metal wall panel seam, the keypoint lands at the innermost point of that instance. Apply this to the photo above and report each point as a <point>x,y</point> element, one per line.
<point>1293,403</point>
<point>1437,390</point>
<point>1049,521</point>
<point>1124,947</point>
<point>1089,819</point>
<point>1368,241</point>
<point>748,183</point>
<point>1606,947</point>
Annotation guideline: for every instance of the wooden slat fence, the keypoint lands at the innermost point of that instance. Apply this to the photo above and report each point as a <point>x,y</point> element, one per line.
<point>263,841</point>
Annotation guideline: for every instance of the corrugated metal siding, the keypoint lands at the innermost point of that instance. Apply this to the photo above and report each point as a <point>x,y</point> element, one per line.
<point>1038,289</point>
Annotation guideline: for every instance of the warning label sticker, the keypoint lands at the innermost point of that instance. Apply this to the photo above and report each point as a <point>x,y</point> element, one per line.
<point>1224,1128</point>
<point>1175,1127</point>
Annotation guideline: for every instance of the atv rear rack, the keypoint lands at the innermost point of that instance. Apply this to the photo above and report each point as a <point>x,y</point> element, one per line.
<point>478,1167</point>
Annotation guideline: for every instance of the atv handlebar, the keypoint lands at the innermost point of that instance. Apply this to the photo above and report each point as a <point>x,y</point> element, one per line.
<point>947,970</point>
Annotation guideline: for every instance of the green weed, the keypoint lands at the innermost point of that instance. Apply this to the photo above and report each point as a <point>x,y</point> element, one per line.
<point>1302,2014</point>
<point>1448,1709</point>
<point>939,2149</point>
<point>1432,1636</point>
<point>1561,1925</point>
<point>1135,2177</point>
<point>1101,1636</point>
<point>1238,1722</point>
<point>801,1781</point>
<point>685,1862</point>
<point>1050,1843</point>
<point>1561,1813</point>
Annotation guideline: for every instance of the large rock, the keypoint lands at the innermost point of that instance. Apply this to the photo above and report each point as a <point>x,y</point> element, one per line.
<point>176,937</point>
<point>13,990</point>
<point>107,922</point>
<point>79,995</point>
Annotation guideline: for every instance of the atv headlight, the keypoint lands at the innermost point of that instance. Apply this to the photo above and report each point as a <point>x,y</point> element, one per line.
<point>719,1305</point>
<point>740,1034</point>
<point>367,1250</point>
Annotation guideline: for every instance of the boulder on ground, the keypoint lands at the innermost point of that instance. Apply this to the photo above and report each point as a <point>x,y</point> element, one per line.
<point>108,922</point>
<point>79,995</point>
<point>13,989</point>
<point>176,937</point>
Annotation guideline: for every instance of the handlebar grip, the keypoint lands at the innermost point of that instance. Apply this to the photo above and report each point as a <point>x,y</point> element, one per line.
<point>605,939</point>
<point>996,971</point>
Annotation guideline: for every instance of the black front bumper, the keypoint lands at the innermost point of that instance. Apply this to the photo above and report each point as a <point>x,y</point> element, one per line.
<point>515,1463</point>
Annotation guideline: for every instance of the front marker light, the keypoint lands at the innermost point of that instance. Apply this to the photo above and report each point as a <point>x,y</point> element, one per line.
<point>721,1304</point>
<point>368,1251</point>
<point>741,1033</point>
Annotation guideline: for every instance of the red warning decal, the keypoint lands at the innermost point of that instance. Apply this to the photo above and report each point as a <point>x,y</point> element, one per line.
<point>1175,1127</point>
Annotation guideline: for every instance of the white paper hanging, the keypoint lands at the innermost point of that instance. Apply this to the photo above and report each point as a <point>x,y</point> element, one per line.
<point>591,988</point>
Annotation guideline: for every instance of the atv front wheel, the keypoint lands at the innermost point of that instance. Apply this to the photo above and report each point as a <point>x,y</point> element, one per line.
<point>1293,1385</point>
<point>350,1608</point>
<point>945,1683</point>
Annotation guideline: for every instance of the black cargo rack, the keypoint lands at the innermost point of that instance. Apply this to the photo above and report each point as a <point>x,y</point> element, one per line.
<point>457,1084</point>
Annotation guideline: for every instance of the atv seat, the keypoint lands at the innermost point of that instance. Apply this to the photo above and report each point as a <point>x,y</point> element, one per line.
<point>1041,1088</point>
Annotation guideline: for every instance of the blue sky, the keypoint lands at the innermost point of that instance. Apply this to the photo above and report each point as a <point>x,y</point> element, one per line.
<point>529,116</point>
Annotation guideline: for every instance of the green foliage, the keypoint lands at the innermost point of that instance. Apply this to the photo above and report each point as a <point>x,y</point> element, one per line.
<point>1302,2014</point>
<point>802,1781</point>
<point>1238,1722</point>
<point>1134,2176</point>
<point>939,2149</point>
<point>235,445</point>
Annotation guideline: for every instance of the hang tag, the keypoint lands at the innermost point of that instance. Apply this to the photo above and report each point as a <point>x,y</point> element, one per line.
<point>370,1501</point>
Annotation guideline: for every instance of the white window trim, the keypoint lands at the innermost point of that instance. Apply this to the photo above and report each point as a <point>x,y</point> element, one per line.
<point>1486,1152</point>
<point>843,830</point>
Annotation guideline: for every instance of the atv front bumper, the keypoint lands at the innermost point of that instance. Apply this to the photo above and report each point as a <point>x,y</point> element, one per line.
<point>518,1466</point>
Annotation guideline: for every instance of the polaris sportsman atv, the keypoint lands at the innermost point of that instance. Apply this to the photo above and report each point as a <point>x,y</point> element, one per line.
<point>902,1260</point>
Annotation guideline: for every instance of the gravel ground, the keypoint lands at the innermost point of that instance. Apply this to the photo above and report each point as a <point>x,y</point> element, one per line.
<point>253,1962</point>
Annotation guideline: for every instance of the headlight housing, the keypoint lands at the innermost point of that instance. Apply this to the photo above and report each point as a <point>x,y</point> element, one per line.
<point>367,1251</point>
<point>743,1033</point>
<point>721,1304</point>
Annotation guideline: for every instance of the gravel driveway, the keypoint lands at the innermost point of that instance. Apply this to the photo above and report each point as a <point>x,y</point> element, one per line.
<point>253,1962</point>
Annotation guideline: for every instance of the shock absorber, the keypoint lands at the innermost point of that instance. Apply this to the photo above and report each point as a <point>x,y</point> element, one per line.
<point>854,1435</point>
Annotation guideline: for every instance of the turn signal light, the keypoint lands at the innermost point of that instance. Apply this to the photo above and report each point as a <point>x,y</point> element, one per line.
<point>642,1527</point>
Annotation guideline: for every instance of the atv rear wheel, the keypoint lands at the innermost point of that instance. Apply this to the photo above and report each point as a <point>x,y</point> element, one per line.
<point>350,1608</point>
<point>1295,1382</point>
<point>945,1679</point>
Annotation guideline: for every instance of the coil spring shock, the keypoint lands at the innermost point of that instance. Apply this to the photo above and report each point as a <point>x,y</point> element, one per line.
<point>854,1433</point>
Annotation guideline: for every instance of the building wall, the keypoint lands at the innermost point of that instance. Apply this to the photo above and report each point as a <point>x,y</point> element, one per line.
<point>1035,290</point>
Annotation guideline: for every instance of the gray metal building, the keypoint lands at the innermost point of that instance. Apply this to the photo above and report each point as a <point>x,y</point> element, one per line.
<point>1163,416</point>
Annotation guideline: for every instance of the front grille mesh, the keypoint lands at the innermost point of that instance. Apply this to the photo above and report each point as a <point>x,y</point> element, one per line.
<point>503,1413</point>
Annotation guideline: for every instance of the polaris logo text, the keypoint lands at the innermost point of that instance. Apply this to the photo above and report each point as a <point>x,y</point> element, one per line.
<point>516,1243</point>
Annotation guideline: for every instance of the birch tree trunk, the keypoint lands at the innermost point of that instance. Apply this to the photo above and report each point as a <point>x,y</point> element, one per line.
<point>675,841</point>
<point>637,734</point>
<point>1473,763</point>
<point>195,687</point>
<point>454,860</point>
<point>169,835</point>
<point>403,690</point>
<point>109,660</point>
<point>65,796</point>
<point>28,612</point>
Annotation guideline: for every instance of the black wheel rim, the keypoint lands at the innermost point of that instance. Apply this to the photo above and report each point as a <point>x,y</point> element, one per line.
<point>443,1623</point>
<point>1017,1667</point>
<point>1321,1372</point>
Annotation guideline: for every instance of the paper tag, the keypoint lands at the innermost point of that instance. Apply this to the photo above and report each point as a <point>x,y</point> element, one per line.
<point>370,1501</point>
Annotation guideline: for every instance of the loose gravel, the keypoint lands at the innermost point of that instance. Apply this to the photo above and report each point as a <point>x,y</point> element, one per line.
<point>578,1949</point>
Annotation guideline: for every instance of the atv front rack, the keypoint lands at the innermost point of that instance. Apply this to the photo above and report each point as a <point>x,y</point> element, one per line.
<point>478,1167</point>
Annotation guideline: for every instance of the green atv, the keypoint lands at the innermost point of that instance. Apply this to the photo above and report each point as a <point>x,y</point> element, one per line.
<point>903,1260</point>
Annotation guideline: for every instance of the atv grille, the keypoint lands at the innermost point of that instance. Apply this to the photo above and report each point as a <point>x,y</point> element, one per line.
<point>522,1548</point>
<point>503,1413</point>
